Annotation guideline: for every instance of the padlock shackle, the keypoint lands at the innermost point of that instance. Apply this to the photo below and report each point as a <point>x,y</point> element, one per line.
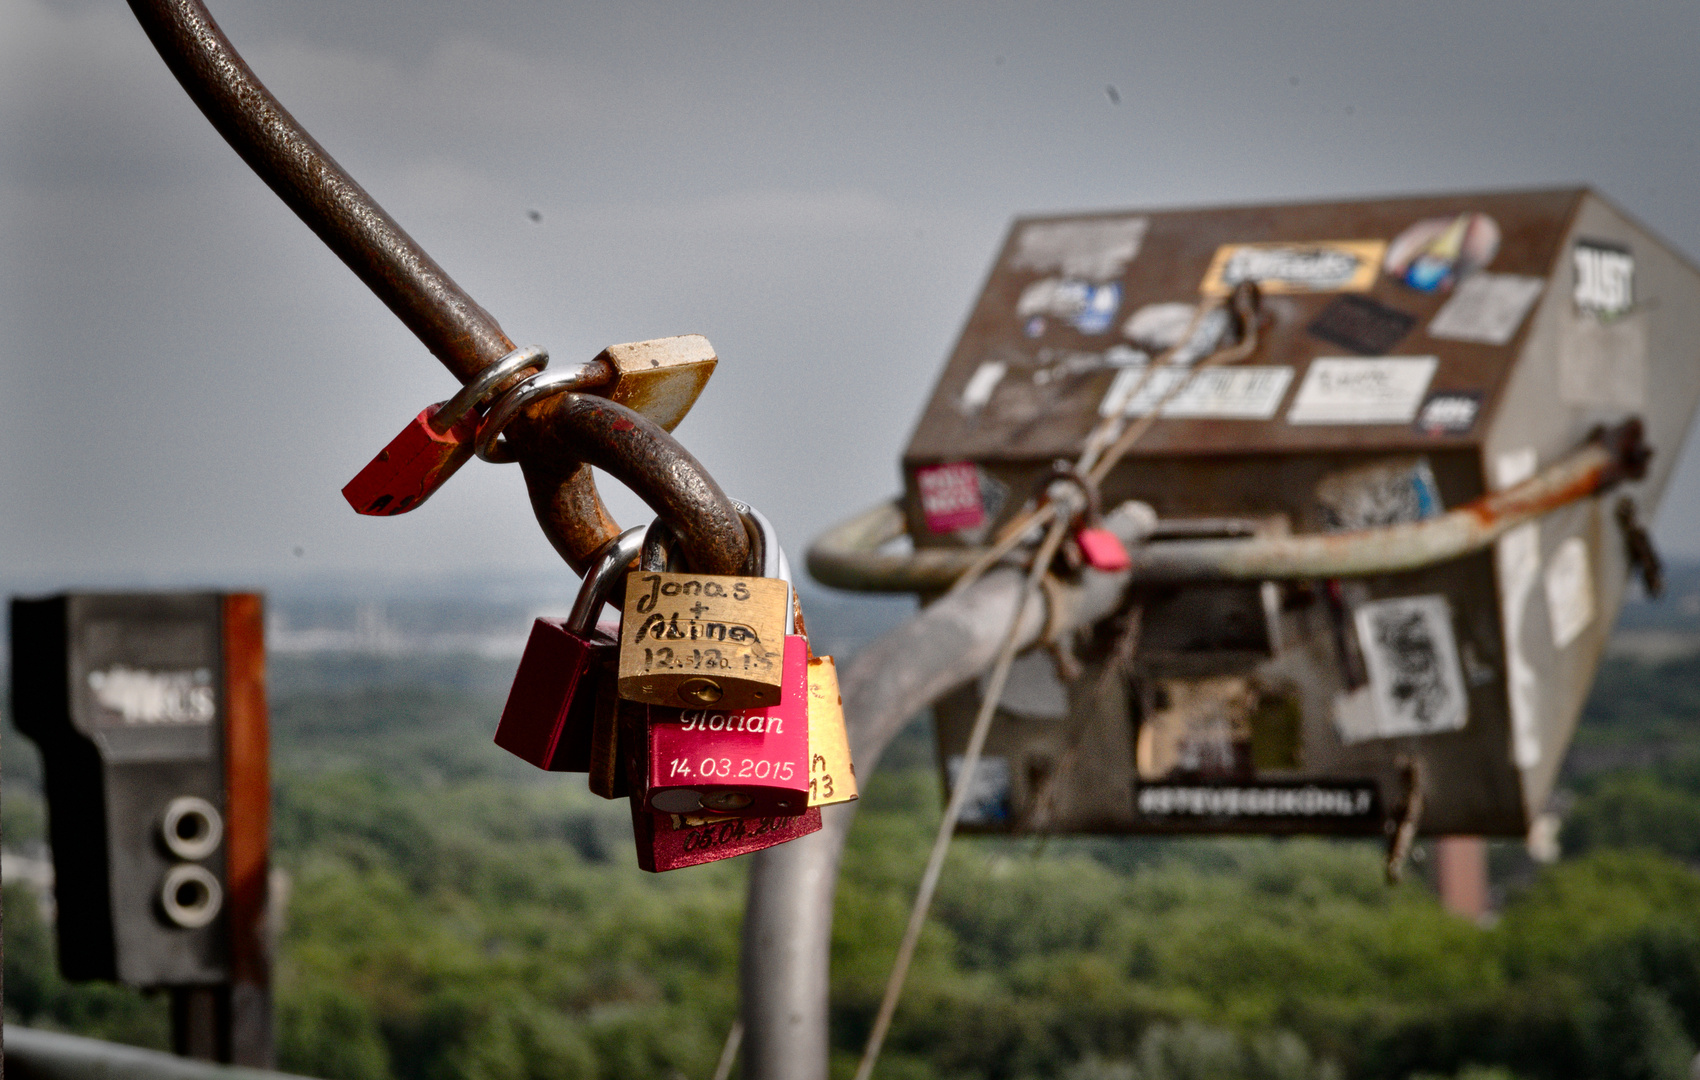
<point>607,568</point>
<point>765,552</point>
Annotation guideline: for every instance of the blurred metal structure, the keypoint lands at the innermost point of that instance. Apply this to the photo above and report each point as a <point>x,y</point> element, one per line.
<point>1386,543</point>
<point>1381,574</point>
<point>150,714</point>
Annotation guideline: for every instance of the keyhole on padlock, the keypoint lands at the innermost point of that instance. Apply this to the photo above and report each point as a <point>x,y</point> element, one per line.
<point>705,691</point>
<point>726,801</point>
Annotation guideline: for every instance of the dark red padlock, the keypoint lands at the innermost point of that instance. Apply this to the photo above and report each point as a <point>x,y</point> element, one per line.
<point>439,441</point>
<point>551,709</point>
<point>671,841</point>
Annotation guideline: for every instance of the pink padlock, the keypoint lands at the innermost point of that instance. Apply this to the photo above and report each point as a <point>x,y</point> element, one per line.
<point>752,762</point>
<point>1102,549</point>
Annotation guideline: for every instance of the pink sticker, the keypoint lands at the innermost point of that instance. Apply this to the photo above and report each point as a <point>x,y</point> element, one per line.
<point>950,496</point>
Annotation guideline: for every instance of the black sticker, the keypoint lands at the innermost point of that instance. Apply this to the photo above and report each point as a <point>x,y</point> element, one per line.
<point>1315,799</point>
<point>1449,412</point>
<point>1362,325</point>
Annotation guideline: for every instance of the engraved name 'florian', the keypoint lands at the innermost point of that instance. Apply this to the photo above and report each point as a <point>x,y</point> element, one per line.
<point>661,626</point>
<point>759,723</point>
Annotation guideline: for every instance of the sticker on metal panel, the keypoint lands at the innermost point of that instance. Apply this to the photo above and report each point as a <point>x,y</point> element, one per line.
<point>1605,278</point>
<point>1265,801</point>
<point>1486,308</point>
<point>1435,253</point>
<point>1603,362</point>
<point>133,696</point>
<point>1318,266</point>
<point>1570,591</point>
<point>1416,682</point>
<point>1094,250</point>
<point>1192,334</point>
<point>1089,308</point>
<point>1517,562</point>
<point>1449,412</point>
<point>987,801</point>
<point>950,496</point>
<point>1224,393</point>
<point>1348,390</point>
<point>1361,325</point>
<point>1395,492</point>
<point>981,385</point>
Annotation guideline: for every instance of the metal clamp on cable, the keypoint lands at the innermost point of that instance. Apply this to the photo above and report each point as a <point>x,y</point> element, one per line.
<point>491,446</point>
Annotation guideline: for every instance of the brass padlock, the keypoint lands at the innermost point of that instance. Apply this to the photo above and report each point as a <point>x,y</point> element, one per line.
<point>706,641</point>
<point>832,776</point>
<point>661,378</point>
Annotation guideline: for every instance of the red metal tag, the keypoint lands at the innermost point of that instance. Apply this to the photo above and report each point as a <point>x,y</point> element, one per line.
<point>412,467</point>
<point>1103,549</point>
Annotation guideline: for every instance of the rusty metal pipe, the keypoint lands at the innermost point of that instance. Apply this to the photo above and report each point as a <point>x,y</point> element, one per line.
<point>440,313</point>
<point>351,223</point>
<point>848,555</point>
<point>583,428</point>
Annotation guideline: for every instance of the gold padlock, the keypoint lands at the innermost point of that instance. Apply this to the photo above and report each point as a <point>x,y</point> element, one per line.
<point>661,378</point>
<point>705,641</point>
<point>832,775</point>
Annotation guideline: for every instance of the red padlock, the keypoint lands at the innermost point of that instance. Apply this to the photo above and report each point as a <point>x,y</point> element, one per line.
<point>671,841</point>
<point>751,762</point>
<point>439,441</point>
<point>1102,549</point>
<point>551,708</point>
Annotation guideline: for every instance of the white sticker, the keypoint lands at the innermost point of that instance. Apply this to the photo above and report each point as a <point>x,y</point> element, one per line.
<point>1605,278</point>
<point>1603,363</point>
<point>981,384</point>
<point>987,801</point>
<point>1224,393</point>
<point>1161,327</point>
<point>1570,591</point>
<point>1487,308</point>
<point>1349,390</point>
<point>1095,250</point>
<point>1416,682</point>
<point>155,697</point>
<point>1517,561</point>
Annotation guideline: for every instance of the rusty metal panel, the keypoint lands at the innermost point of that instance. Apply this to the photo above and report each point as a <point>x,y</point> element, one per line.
<point>1388,384</point>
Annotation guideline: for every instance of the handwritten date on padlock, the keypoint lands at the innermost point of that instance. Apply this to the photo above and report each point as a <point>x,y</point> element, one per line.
<point>671,841</point>
<point>702,640</point>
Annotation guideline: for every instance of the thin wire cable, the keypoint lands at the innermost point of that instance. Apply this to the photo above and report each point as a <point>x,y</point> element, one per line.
<point>729,1052</point>
<point>958,796</point>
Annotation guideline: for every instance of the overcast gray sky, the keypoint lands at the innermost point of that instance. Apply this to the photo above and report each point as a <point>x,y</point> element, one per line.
<point>187,378</point>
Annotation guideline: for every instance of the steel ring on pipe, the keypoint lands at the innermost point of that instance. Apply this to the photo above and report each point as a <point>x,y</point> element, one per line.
<point>490,446</point>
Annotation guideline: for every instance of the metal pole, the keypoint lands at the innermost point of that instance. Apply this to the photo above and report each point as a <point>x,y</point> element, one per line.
<point>50,1055</point>
<point>788,920</point>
